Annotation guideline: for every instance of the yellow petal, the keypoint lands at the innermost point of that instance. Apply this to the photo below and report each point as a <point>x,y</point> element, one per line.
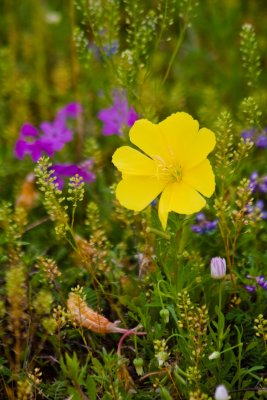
<point>137,192</point>
<point>132,162</point>
<point>201,178</point>
<point>180,131</point>
<point>164,205</point>
<point>203,144</point>
<point>181,198</point>
<point>149,138</point>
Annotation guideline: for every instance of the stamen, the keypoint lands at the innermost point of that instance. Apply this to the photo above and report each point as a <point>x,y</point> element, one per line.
<point>171,172</point>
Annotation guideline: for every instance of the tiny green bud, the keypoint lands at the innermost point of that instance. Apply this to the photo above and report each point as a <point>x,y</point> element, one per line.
<point>138,364</point>
<point>165,315</point>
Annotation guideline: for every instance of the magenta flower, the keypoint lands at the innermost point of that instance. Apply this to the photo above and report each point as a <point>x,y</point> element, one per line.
<point>50,138</point>
<point>56,134</point>
<point>61,171</point>
<point>30,142</point>
<point>116,117</point>
<point>71,110</point>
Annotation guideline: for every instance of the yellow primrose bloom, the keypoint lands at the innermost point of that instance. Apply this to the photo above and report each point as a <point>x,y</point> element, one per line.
<point>174,162</point>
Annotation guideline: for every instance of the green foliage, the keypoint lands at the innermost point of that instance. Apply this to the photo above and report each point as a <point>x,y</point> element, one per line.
<point>251,112</point>
<point>53,198</point>
<point>250,54</point>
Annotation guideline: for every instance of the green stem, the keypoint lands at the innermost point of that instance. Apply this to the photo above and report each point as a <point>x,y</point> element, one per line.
<point>174,54</point>
<point>158,232</point>
<point>220,334</point>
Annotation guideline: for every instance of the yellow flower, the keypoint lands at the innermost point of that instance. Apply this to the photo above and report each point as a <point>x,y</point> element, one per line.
<point>174,164</point>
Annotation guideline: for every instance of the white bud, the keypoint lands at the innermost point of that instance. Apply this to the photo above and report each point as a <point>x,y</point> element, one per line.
<point>221,393</point>
<point>217,268</point>
<point>214,355</point>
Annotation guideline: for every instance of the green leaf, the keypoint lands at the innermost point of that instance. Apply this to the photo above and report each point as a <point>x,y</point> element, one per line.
<point>91,388</point>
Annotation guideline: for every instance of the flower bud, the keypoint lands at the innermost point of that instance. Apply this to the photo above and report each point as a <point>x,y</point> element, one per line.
<point>138,364</point>
<point>165,315</point>
<point>214,355</point>
<point>217,268</point>
<point>221,393</point>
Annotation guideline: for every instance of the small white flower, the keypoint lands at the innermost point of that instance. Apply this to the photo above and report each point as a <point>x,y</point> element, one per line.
<point>52,17</point>
<point>214,355</point>
<point>221,393</point>
<point>217,268</point>
<point>162,357</point>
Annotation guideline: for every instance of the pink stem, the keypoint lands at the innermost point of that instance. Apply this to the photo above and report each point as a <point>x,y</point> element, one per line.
<point>128,333</point>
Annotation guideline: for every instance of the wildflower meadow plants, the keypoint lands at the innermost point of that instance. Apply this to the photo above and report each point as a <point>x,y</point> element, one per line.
<point>133,200</point>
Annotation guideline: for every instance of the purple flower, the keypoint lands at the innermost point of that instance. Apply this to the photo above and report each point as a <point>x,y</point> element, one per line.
<point>217,268</point>
<point>61,171</point>
<point>203,225</point>
<point>260,280</point>
<point>253,183</point>
<point>250,288</point>
<point>106,51</point>
<point>50,138</point>
<point>28,130</point>
<point>116,117</point>
<point>71,110</point>
<point>29,142</point>
<point>264,285</point>
<point>56,133</point>
<point>257,210</point>
<point>111,48</point>
<point>248,134</point>
<point>258,183</point>
<point>260,139</point>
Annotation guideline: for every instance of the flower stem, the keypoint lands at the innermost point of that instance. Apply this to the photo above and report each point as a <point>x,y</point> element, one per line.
<point>158,232</point>
<point>174,54</point>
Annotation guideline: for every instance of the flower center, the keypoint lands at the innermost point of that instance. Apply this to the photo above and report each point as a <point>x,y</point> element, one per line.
<point>171,172</point>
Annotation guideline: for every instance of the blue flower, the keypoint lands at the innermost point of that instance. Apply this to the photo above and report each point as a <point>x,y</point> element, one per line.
<point>259,139</point>
<point>203,225</point>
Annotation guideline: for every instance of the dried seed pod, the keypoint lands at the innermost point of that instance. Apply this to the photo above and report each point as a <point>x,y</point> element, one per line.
<point>28,194</point>
<point>85,316</point>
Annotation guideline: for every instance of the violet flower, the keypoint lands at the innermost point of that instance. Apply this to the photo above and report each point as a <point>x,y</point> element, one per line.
<point>258,183</point>
<point>259,138</point>
<point>250,288</point>
<point>50,138</point>
<point>56,133</point>
<point>71,110</point>
<point>261,141</point>
<point>30,142</point>
<point>259,280</point>
<point>109,50</point>
<point>61,171</point>
<point>203,225</point>
<point>116,117</point>
<point>258,210</point>
<point>249,134</point>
